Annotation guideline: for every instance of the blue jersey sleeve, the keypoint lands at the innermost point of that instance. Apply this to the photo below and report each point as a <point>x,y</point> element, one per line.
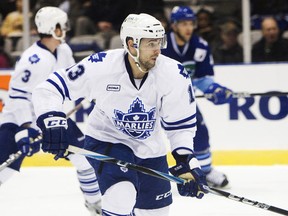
<point>202,57</point>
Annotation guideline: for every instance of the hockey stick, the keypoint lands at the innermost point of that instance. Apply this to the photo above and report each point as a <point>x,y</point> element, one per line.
<point>247,94</point>
<point>167,177</point>
<point>247,201</point>
<point>13,157</point>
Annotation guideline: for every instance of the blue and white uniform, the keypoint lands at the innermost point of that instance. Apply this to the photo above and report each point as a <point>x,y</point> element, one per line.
<point>34,66</point>
<point>125,112</point>
<point>128,116</point>
<point>196,57</point>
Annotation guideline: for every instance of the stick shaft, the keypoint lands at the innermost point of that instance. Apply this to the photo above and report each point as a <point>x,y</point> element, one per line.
<point>247,201</point>
<point>145,170</point>
<point>10,160</point>
<point>167,177</point>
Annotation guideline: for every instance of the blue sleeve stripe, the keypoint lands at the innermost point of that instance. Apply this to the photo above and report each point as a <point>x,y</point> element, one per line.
<point>64,85</point>
<point>19,90</point>
<point>57,87</point>
<point>179,127</point>
<point>180,121</point>
<point>18,97</point>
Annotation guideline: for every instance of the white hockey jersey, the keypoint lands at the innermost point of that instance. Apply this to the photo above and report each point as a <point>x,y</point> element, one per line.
<point>33,67</point>
<point>124,112</point>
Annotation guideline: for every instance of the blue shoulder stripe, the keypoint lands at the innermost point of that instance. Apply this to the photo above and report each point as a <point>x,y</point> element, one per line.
<point>64,85</point>
<point>57,87</point>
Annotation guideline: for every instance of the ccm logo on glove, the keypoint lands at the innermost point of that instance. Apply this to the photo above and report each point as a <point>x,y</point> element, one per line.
<point>55,122</point>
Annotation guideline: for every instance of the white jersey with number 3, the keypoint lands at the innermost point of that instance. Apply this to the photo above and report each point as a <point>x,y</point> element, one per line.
<point>127,111</point>
<point>34,66</point>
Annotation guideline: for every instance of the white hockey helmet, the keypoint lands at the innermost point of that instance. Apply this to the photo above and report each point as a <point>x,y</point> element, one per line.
<point>138,26</point>
<point>48,17</point>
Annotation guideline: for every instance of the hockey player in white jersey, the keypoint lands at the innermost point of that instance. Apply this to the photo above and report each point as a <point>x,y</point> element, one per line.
<point>18,122</point>
<point>137,92</point>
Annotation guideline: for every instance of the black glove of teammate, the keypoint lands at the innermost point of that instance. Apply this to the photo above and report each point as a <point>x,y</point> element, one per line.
<point>27,142</point>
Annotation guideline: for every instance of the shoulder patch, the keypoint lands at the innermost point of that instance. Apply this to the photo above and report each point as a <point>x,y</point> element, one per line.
<point>34,59</point>
<point>200,54</point>
<point>97,57</point>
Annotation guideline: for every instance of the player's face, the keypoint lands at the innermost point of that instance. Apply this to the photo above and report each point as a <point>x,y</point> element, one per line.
<point>149,51</point>
<point>184,29</point>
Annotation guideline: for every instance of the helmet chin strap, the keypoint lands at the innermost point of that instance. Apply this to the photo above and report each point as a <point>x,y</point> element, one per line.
<point>61,38</point>
<point>136,59</point>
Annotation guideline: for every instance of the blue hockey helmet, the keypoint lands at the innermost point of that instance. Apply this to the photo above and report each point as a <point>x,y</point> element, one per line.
<point>182,13</point>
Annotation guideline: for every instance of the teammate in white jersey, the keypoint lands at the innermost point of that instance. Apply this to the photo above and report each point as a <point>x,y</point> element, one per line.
<point>137,92</point>
<point>18,123</point>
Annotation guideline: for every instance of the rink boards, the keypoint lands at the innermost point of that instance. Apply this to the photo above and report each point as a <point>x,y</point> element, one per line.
<point>249,131</point>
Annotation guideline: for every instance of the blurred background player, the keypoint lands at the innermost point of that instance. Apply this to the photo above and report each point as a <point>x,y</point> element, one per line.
<point>194,53</point>
<point>18,127</point>
<point>136,89</point>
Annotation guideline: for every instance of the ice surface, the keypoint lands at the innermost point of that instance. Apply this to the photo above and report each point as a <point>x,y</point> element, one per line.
<point>54,191</point>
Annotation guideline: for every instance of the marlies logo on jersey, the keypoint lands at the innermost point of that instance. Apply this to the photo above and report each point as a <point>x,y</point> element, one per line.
<point>97,57</point>
<point>34,59</point>
<point>136,123</point>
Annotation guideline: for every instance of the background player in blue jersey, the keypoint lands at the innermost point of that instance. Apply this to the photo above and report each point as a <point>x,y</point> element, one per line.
<point>18,121</point>
<point>194,53</point>
<point>135,90</point>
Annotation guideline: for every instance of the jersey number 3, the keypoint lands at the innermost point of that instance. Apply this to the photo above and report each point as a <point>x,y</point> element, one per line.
<point>26,76</point>
<point>74,73</point>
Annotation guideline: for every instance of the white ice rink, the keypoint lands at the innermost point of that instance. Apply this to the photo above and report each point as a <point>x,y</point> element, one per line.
<point>55,192</point>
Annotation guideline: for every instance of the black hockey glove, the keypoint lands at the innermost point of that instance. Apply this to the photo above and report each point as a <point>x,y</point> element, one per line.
<point>54,130</point>
<point>187,168</point>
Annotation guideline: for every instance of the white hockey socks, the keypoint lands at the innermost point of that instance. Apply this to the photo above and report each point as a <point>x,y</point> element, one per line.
<point>87,178</point>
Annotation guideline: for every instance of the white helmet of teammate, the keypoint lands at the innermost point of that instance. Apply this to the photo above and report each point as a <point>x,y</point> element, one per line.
<point>138,26</point>
<point>47,18</point>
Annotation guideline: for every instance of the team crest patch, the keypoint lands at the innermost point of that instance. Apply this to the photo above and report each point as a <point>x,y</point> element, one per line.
<point>34,59</point>
<point>136,123</point>
<point>97,57</point>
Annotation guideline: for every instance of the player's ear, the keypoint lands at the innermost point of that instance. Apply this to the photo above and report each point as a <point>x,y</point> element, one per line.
<point>130,46</point>
<point>58,32</point>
